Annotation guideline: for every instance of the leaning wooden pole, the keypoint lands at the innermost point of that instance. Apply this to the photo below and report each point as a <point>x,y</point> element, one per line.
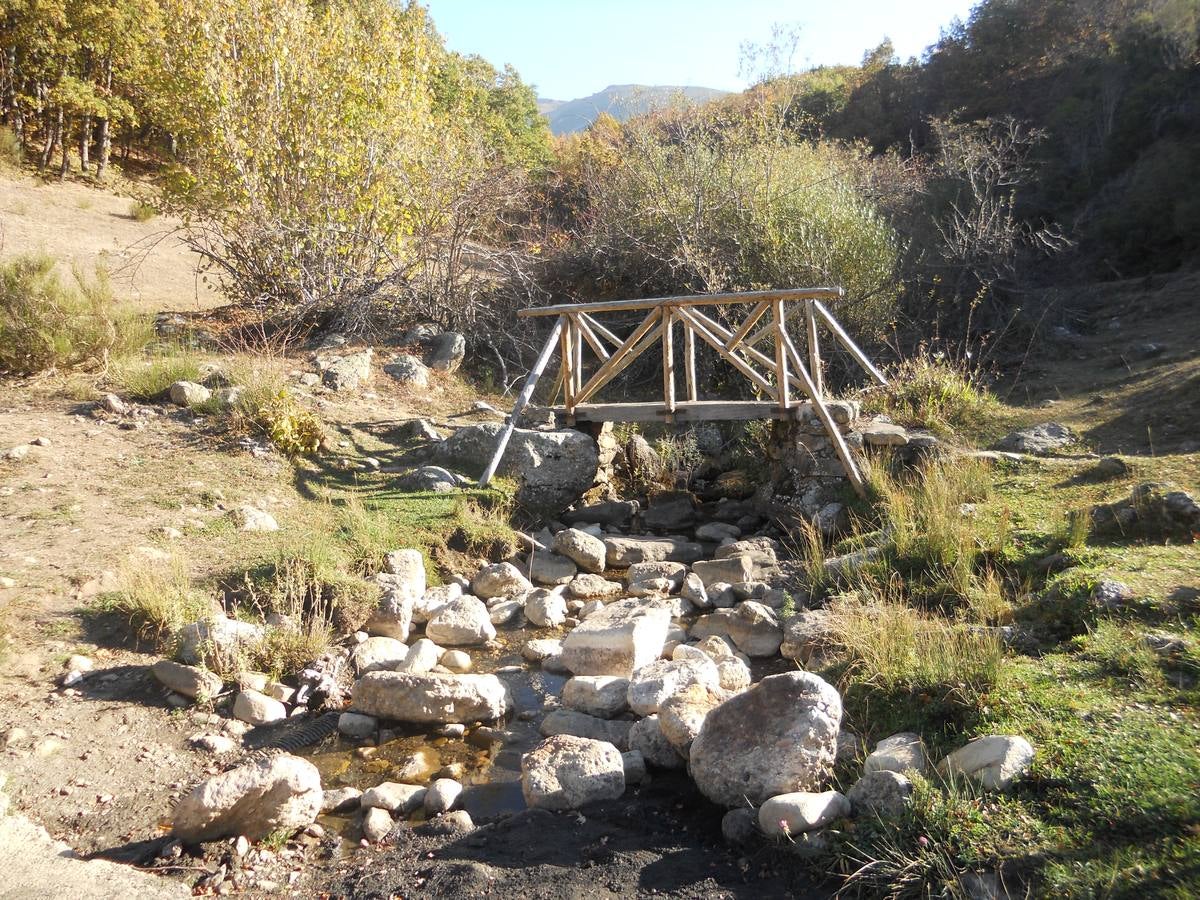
<point>522,400</point>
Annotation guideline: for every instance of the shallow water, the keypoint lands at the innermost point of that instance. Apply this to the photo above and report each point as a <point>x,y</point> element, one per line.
<point>486,760</point>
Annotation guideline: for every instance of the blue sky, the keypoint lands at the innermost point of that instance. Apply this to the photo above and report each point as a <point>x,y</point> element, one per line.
<point>573,48</point>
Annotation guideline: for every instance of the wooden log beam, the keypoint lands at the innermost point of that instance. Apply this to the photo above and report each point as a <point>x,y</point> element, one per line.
<point>781,367</point>
<point>610,369</point>
<point>689,361</point>
<point>751,353</point>
<point>590,336</point>
<point>814,347</point>
<point>522,399</point>
<point>824,293</point>
<point>567,361</point>
<point>831,427</point>
<point>845,341</point>
<point>751,320</point>
<point>668,362</point>
<point>689,316</point>
<point>601,330</point>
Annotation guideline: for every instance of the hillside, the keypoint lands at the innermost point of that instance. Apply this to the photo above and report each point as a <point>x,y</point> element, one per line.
<point>621,101</point>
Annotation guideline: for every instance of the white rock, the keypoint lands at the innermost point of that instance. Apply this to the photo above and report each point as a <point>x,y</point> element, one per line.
<point>566,772</point>
<point>427,605</point>
<point>431,698</point>
<point>254,708</point>
<point>188,393</point>
<point>904,752</point>
<point>396,798</point>
<point>694,591</point>
<point>623,636</point>
<point>682,716</point>
<point>504,612</point>
<point>378,654</point>
<point>777,737</point>
<point>216,641</point>
<point>570,721</point>
<point>187,680</point>
<point>550,568</point>
<point>734,675</point>
<point>673,572</point>
<point>212,743</point>
<point>499,580</point>
<point>994,761</point>
<point>376,824</point>
<point>456,661</point>
<point>251,518</point>
<point>755,629</point>
<point>585,550</point>
<point>882,793</point>
<point>545,609</point>
<point>393,615</point>
<point>597,695</point>
<point>441,796</point>
<point>279,793</point>
<point>792,813</point>
<point>652,684</point>
<point>593,587</point>
<point>463,622</point>
<point>422,656</point>
<point>732,570</point>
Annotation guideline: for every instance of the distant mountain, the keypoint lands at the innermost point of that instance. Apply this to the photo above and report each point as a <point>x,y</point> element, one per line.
<point>621,101</point>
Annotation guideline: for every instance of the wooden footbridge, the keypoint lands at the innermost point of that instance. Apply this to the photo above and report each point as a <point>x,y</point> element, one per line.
<point>792,382</point>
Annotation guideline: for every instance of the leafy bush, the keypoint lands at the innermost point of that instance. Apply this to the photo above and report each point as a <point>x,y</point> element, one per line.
<point>295,430</point>
<point>674,206</point>
<point>47,324</point>
<point>10,147</point>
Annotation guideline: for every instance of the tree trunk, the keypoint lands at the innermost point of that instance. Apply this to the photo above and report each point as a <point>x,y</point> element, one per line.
<point>104,148</point>
<point>66,146</point>
<point>85,142</point>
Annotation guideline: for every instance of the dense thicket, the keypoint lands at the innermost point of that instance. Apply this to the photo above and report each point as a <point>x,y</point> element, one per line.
<point>1112,85</point>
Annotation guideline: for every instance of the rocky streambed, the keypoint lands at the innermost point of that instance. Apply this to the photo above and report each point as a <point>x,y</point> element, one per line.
<point>598,662</point>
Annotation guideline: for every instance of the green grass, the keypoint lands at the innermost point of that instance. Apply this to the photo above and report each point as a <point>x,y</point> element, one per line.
<point>140,211</point>
<point>147,377</point>
<point>930,393</point>
<point>157,599</point>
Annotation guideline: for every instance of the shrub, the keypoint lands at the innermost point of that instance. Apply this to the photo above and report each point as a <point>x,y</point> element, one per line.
<point>10,147</point>
<point>141,211</point>
<point>295,430</point>
<point>158,599</point>
<point>46,324</point>
<point>676,206</point>
<point>933,393</point>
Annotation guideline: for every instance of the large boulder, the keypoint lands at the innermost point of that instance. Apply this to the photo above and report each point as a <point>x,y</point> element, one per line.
<point>610,512</point>
<point>904,752</point>
<point>682,716</point>
<point>755,629</point>
<point>431,697</point>
<point>566,772</point>
<point>651,685</point>
<point>623,636</point>
<point>279,793</point>
<point>346,373</point>
<point>1037,439</point>
<point>881,793</point>
<point>191,681</point>
<point>571,721</point>
<point>593,587</point>
<point>545,608</point>
<point>501,579</point>
<point>445,352</point>
<point>552,468</point>
<point>586,550</point>
<point>731,570</point>
<point>463,622</point>
<point>622,551</point>
<point>550,568</point>
<point>211,642</point>
<point>378,654</point>
<point>778,737</point>
<point>407,369</point>
<point>647,738</point>
<point>806,634</point>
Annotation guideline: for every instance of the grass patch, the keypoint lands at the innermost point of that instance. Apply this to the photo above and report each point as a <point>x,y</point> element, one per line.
<point>157,599</point>
<point>932,393</point>
<point>46,323</point>
<point>148,377</point>
<point>1120,651</point>
<point>10,147</point>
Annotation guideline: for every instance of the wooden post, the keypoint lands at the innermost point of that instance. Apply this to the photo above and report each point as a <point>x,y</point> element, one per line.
<point>814,348</point>
<point>831,428</point>
<point>522,399</point>
<point>781,367</point>
<point>668,351</point>
<point>689,361</point>
<point>567,354</point>
<point>577,365</point>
